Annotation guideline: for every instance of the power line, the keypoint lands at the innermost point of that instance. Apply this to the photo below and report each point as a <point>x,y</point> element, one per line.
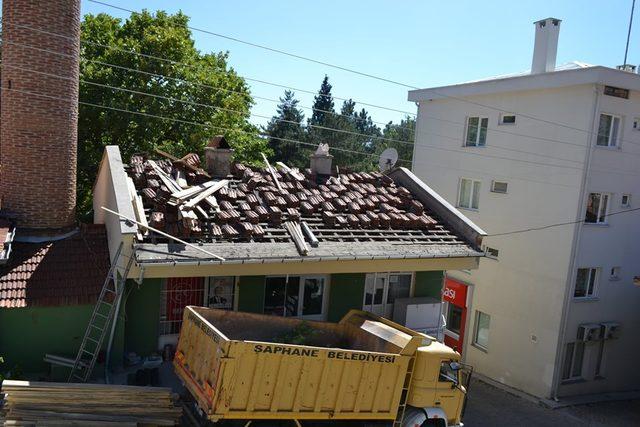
<point>289,121</point>
<point>544,227</point>
<point>189,122</point>
<point>171,61</point>
<point>282,52</point>
<point>250,133</point>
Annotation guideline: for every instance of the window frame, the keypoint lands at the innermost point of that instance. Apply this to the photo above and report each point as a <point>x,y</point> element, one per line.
<point>628,203</point>
<point>501,121</point>
<point>618,138</point>
<point>476,330</point>
<point>594,274</point>
<point>476,143</point>
<point>300,307</point>
<point>614,273</point>
<point>601,207</point>
<point>493,187</point>
<point>572,361</point>
<point>471,193</point>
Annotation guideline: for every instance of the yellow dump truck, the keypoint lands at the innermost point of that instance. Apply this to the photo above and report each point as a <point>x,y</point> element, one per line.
<point>363,370</point>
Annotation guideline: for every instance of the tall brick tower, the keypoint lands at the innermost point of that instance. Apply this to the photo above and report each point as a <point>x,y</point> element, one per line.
<point>39,134</point>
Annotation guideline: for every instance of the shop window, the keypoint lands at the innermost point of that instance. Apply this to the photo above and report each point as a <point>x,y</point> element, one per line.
<point>294,296</point>
<point>177,293</point>
<point>220,292</point>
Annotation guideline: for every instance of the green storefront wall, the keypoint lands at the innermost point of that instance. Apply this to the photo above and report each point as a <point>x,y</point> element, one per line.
<point>27,334</point>
<point>428,284</point>
<point>346,293</point>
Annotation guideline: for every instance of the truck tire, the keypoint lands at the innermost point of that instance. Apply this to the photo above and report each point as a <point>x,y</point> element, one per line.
<point>414,417</point>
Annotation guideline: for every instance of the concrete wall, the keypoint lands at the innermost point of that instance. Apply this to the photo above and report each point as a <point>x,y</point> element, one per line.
<point>523,290</point>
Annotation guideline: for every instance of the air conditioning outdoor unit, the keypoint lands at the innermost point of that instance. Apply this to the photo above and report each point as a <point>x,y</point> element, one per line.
<point>590,332</point>
<point>611,330</point>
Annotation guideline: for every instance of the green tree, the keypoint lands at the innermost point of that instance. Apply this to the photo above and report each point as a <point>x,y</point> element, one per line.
<point>403,132</point>
<point>286,125</point>
<point>162,35</point>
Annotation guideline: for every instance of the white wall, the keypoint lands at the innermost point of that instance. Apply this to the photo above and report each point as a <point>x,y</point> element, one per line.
<point>614,171</point>
<point>523,291</point>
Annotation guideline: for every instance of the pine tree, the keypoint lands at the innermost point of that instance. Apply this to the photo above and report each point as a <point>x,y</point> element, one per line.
<point>287,125</point>
<point>322,104</point>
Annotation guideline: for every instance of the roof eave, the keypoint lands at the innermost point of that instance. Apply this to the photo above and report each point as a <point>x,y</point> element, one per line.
<point>596,74</point>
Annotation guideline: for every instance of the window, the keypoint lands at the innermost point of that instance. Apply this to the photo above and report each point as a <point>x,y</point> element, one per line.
<point>297,296</point>
<point>491,252</point>
<point>597,205</point>
<point>614,273</point>
<point>573,358</point>
<point>476,131</point>
<point>469,193</point>
<point>177,293</point>
<point>447,374</point>
<point>499,187</point>
<point>608,130</point>
<point>481,333</point>
<point>454,318</point>
<point>508,119</point>
<point>625,202</point>
<point>220,292</point>
<point>616,91</point>
<point>585,282</point>
<point>636,123</point>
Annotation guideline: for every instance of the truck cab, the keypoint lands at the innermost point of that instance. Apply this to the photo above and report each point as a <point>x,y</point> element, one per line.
<point>437,393</point>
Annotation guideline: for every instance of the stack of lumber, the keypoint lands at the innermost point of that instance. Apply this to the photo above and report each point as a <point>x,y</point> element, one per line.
<point>61,404</point>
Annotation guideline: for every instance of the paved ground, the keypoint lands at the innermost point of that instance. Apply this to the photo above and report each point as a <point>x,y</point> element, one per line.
<point>490,406</point>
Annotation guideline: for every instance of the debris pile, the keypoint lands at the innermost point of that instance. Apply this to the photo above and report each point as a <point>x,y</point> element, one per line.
<point>60,404</point>
<point>176,196</point>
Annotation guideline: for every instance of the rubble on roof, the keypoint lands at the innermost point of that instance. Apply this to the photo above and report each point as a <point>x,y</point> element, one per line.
<point>268,205</point>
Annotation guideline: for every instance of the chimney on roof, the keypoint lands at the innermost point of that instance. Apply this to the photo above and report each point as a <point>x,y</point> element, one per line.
<point>321,161</point>
<point>546,45</point>
<point>39,117</point>
<point>218,155</point>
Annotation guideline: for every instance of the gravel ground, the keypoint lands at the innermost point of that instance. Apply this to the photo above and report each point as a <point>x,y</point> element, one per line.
<point>490,406</point>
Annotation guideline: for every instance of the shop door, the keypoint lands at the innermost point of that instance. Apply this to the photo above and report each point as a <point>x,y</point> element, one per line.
<point>455,299</point>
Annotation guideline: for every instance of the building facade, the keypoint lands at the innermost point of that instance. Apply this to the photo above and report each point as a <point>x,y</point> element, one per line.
<point>548,163</point>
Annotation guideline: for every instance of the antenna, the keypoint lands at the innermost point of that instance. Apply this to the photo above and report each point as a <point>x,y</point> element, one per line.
<point>626,50</point>
<point>388,159</point>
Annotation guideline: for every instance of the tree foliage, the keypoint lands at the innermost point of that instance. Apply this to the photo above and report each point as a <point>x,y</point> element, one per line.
<point>210,82</point>
<point>356,141</point>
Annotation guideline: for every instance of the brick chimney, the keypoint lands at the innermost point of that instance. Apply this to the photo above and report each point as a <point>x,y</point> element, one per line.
<point>38,134</point>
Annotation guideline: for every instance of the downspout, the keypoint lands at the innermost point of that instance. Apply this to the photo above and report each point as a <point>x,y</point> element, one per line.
<point>574,249</point>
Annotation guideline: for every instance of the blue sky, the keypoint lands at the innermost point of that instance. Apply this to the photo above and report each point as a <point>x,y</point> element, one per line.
<point>421,43</point>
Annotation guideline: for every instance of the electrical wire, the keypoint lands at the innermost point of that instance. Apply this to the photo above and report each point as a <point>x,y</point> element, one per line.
<point>171,61</point>
<point>368,137</point>
<point>270,49</point>
<point>544,227</point>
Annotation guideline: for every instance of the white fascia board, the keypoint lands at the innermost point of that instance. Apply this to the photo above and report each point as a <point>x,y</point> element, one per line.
<point>556,79</point>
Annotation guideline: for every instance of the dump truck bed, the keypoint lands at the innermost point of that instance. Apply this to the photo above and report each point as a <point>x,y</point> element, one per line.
<point>237,367</point>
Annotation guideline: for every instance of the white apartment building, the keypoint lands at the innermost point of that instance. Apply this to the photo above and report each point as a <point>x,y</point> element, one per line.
<point>553,311</point>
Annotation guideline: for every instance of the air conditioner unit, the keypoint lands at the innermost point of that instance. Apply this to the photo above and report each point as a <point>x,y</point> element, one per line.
<point>611,330</point>
<point>590,332</point>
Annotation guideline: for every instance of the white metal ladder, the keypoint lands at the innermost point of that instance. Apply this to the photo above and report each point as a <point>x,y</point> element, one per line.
<point>103,313</point>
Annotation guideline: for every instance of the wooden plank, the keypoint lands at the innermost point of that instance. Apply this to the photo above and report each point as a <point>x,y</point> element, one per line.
<point>206,193</point>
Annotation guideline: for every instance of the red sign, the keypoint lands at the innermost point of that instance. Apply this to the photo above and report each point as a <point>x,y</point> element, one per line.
<point>455,292</point>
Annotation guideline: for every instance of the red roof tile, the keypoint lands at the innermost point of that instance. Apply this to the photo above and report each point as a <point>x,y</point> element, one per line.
<point>64,272</point>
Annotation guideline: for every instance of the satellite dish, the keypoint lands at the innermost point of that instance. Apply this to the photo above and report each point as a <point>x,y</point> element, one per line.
<point>388,159</point>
